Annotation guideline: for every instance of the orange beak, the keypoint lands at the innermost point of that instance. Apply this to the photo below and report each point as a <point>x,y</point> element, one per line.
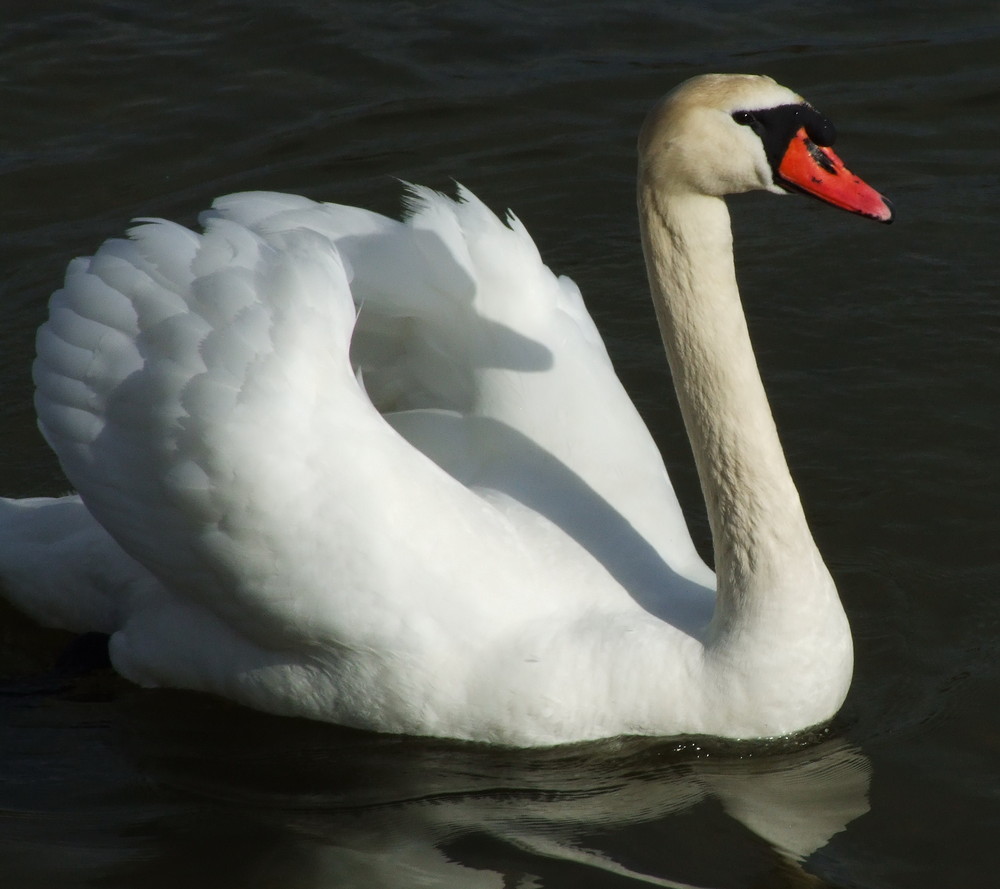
<point>817,170</point>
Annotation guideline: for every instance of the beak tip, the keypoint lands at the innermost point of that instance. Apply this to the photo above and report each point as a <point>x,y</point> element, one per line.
<point>888,212</point>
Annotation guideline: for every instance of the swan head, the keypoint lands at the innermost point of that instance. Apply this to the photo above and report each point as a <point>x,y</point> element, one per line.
<point>720,134</point>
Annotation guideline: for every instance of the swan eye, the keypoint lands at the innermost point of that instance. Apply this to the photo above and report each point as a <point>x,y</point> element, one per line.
<point>749,119</point>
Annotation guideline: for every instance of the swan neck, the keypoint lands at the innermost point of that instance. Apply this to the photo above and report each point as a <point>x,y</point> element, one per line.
<point>761,541</point>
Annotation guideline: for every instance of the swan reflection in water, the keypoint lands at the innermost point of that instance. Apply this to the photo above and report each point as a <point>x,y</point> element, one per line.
<point>244,799</point>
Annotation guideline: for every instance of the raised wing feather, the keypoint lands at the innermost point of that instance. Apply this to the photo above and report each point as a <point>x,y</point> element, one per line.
<point>153,350</point>
<point>199,394</point>
<point>203,395</point>
<point>457,313</point>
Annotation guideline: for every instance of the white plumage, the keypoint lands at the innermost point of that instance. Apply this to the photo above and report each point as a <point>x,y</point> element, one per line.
<point>383,473</point>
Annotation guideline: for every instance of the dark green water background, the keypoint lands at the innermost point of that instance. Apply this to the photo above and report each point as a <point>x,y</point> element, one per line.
<point>878,346</point>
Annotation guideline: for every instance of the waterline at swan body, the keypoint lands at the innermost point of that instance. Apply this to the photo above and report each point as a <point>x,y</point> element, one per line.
<point>383,473</point>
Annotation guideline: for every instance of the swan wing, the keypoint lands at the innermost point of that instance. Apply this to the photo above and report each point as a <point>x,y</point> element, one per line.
<point>460,318</point>
<point>351,463</point>
<point>197,392</point>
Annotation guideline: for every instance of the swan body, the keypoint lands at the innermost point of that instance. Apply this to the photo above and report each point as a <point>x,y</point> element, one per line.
<point>383,473</point>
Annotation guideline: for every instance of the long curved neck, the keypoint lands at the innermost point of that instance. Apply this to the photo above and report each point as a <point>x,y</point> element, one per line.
<point>764,551</point>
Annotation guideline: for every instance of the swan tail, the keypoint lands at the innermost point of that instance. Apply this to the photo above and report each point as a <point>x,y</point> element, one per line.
<point>62,569</point>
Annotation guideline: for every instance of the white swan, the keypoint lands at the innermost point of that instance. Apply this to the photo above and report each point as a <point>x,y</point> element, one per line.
<point>383,474</point>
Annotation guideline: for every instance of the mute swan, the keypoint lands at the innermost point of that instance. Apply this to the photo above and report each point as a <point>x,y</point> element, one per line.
<point>383,474</point>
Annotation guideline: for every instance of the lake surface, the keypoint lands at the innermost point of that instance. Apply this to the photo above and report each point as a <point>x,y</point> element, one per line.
<point>878,346</point>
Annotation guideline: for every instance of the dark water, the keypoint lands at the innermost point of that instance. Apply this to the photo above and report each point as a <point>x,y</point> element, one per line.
<point>878,345</point>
